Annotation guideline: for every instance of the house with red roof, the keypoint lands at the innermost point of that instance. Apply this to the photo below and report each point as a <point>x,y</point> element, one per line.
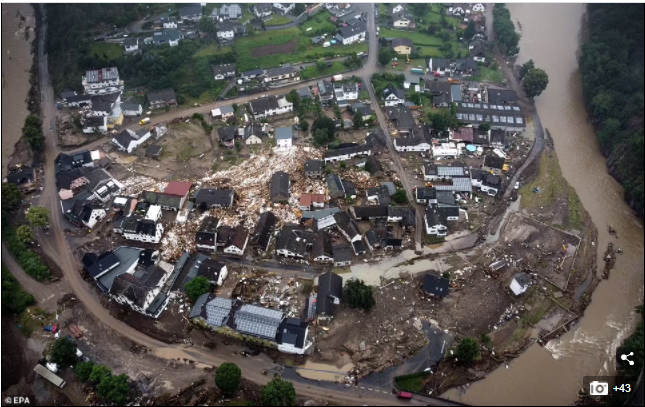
<point>180,189</point>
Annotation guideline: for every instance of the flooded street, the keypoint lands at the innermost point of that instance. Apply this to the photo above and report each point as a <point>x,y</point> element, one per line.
<point>16,62</point>
<point>324,372</point>
<point>551,35</point>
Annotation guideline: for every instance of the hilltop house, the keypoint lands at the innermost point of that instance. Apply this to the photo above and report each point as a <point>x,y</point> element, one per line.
<point>161,98</point>
<point>353,33</point>
<point>284,136</point>
<point>129,140</point>
<point>402,46</point>
<point>270,106</point>
<point>221,72</point>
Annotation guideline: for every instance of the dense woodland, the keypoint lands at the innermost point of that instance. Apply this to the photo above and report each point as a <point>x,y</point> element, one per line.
<point>612,75</point>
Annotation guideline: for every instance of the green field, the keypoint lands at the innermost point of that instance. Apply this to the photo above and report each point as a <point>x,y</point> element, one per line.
<point>489,75</point>
<point>319,24</point>
<point>106,49</point>
<point>277,20</point>
<point>304,51</point>
<point>426,45</point>
<point>213,49</point>
<point>313,71</point>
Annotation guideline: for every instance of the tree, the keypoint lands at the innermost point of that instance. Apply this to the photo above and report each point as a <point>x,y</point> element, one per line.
<point>358,120</point>
<point>84,370</point>
<point>64,353</point>
<point>324,130</point>
<point>33,132</point>
<point>484,126</point>
<point>236,107</point>
<point>420,9</point>
<point>99,372</point>
<point>38,216</point>
<point>228,377</point>
<point>470,31</point>
<point>415,98</point>
<point>304,125</point>
<point>197,286</point>
<point>278,392</point>
<point>432,29</point>
<point>11,197</point>
<point>299,9</point>
<point>467,351</point>
<point>114,389</point>
<point>384,56</point>
<point>439,122</point>
<point>25,234</point>
<point>526,68</point>
<point>321,64</point>
<point>294,98</point>
<point>206,25</point>
<point>535,82</point>
<point>400,197</point>
<point>359,295</point>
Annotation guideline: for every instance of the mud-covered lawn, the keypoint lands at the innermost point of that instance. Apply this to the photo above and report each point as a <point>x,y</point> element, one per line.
<point>288,48</point>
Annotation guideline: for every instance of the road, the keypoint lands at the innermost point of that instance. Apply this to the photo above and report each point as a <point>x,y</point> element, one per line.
<point>55,246</point>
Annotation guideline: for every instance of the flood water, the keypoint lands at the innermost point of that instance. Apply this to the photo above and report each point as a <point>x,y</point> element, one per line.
<point>16,62</point>
<point>551,35</point>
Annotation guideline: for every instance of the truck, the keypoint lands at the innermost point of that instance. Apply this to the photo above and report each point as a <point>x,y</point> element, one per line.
<point>453,81</point>
<point>145,121</point>
<point>418,71</point>
<point>337,78</point>
<point>403,395</point>
<point>47,374</point>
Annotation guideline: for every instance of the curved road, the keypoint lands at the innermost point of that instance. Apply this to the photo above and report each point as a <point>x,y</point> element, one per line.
<point>55,246</point>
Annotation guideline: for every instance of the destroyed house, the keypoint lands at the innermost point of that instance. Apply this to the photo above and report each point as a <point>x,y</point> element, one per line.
<point>359,247</point>
<point>350,189</point>
<point>264,230</point>
<point>393,244</point>
<point>436,286</point>
<point>379,194</point>
<point>324,218</point>
<point>343,255</point>
<point>374,241</point>
<point>280,187</point>
<point>330,292</point>
<point>347,226</point>
<point>166,201</point>
<point>314,168</point>
<point>206,198</point>
<point>402,118</point>
<point>493,164</point>
<point>374,167</point>
<point>294,241</point>
<point>321,251</point>
<point>213,271</point>
<point>206,236</point>
<point>335,186</point>
<point>23,175</point>
<point>397,213</point>
<point>227,135</point>
<point>141,291</point>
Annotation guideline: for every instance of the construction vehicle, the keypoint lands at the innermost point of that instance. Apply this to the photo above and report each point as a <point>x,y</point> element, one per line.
<point>453,81</point>
<point>429,184</point>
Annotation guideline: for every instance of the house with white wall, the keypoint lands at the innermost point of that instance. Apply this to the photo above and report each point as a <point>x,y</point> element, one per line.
<point>353,33</point>
<point>284,136</point>
<point>129,140</point>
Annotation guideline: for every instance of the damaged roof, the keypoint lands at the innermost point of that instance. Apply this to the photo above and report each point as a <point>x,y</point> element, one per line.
<point>264,230</point>
<point>280,185</point>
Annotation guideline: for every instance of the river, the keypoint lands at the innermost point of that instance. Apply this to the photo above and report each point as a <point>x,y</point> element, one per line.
<point>551,36</point>
<point>16,62</point>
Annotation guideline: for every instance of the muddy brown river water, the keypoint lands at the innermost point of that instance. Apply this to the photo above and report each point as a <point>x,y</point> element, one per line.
<point>16,62</point>
<point>551,35</point>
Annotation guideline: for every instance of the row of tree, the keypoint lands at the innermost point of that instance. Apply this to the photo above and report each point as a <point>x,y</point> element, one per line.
<point>612,80</point>
<point>505,34</point>
<point>33,133</point>
<point>277,392</point>
<point>14,298</point>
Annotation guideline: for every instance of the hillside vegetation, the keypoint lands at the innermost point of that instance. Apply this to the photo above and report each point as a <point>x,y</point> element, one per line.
<point>612,78</point>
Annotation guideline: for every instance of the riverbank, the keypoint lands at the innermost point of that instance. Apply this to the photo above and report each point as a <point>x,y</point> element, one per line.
<point>18,67</point>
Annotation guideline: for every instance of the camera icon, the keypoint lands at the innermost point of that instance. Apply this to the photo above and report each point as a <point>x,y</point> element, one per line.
<point>598,388</point>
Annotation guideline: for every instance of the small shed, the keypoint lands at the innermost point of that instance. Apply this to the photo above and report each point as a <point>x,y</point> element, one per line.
<point>520,283</point>
<point>154,151</point>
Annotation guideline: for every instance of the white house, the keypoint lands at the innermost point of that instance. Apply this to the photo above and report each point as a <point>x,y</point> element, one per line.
<point>270,106</point>
<point>292,336</point>
<point>353,33</point>
<point>479,8</point>
<point>131,44</point>
<point>129,140</point>
<point>237,246</point>
<point>106,189</point>
<point>283,73</point>
<point>284,136</point>
<point>262,10</point>
<point>89,214</point>
<point>520,283</point>
<point>221,72</point>
<point>393,96</point>
<point>439,66</point>
<point>225,31</point>
<point>191,13</point>
<point>435,223</point>
<point>131,109</point>
<point>398,8</point>
<point>345,91</point>
<point>99,80</point>
<point>284,8</point>
<point>253,134</point>
<point>347,153</point>
<point>415,144</point>
<point>169,22</point>
<point>142,293</point>
<point>223,112</point>
<point>446,149</point>
<point>142,230</point>
<point>403,21</point>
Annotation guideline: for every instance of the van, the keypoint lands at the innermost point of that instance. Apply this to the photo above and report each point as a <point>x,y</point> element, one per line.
<point>403,395</point>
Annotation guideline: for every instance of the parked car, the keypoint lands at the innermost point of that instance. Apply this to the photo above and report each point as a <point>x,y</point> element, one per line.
<point>517,185</point>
